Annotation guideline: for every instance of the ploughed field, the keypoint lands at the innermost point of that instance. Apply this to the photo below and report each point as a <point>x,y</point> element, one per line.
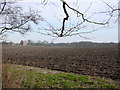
<point>102,62</point>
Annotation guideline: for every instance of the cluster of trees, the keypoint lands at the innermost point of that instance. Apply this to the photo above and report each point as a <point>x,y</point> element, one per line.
<point>39,43</point>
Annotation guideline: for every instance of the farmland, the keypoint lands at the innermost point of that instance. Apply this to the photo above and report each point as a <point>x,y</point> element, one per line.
<point>84,61</point>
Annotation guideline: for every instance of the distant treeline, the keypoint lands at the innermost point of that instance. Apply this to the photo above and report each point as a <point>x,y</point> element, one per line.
<point>76,44</point>
<point>73,44</point>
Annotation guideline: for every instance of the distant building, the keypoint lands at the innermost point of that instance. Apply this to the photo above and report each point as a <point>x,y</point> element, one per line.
<point>8,43</point>
<point>24,42</point>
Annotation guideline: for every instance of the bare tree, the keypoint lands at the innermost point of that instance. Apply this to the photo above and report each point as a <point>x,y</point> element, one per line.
<point>13,18</point>
<point>65,31</point>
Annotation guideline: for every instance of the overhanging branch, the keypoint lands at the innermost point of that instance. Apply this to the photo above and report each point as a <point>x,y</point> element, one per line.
<point>80,14</point>
<point>65,19</point>
<point>3,7</point>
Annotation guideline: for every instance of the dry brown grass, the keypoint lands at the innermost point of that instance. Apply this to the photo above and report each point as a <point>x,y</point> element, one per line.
<point>7,80</point>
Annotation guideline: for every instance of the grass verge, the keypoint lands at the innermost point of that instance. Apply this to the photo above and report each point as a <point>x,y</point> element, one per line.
<point>18,76</point>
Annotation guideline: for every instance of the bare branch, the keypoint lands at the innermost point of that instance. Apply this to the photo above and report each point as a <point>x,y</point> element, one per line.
<point>3,6</point>
<point>66,18</point>
<point>14,19</point>
<point>83,17</point>
<point>88,8</point>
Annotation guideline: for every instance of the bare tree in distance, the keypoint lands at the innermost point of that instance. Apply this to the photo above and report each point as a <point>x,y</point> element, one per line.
<point>12,18</point>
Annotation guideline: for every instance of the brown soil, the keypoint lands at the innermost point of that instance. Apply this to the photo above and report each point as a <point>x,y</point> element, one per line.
<point>102,62</point>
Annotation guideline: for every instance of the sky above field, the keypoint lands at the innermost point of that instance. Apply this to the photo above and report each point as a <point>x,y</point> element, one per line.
<point>53,9</point>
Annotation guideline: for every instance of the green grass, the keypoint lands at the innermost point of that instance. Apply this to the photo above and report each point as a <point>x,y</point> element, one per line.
<point>27,78</point>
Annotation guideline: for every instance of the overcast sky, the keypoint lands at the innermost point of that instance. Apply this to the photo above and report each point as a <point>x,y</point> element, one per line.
<point>53,9</point>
